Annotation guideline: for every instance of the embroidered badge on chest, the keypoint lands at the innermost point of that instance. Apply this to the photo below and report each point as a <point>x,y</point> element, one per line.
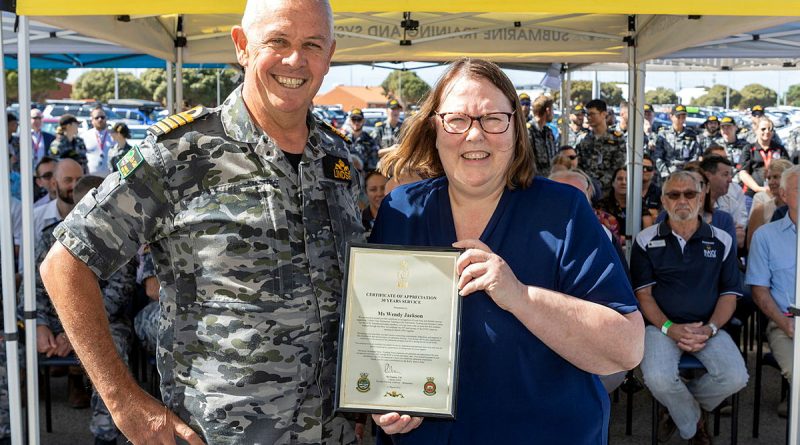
<point>132,159</point>
<point>336,168</point>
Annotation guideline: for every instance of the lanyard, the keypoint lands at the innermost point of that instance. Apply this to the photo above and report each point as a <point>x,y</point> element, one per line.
<point>37,142</point>
<point>767,158</point>
<point>101,142</point>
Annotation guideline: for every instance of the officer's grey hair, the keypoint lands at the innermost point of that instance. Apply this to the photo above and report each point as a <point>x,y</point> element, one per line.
<point>255,10</point>
<point>682,175</point>
<point>787,174</point>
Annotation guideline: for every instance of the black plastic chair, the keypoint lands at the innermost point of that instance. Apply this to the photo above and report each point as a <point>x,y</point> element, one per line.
<point>45,363</point>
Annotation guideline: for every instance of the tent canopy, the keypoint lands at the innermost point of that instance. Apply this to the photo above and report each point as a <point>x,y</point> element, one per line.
<point>577,32</point>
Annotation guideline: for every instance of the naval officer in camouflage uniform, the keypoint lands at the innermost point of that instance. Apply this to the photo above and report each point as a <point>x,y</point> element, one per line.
<point>601,151</point>
<point>247,209</point>
<point>386,132</point>
<point>576,130</point>
<point>676,145</point>
<point>711,135</point>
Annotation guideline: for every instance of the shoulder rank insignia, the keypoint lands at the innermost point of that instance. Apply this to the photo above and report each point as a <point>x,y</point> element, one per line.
<point>336,168</point>
<point>170,123</point>
<point>132,159</point>
<point>378,124</point>
<point>337,132</point>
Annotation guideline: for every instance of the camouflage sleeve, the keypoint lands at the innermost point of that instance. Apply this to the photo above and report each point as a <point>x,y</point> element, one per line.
<point>45,311</point>
<point>130,208</point>
<point>661,155</point>
<point>119,289</point>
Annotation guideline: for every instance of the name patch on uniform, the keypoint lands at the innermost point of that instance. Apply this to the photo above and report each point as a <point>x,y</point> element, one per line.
<point>132,159</point>
<point>336,168</point>
<point>657,243</point>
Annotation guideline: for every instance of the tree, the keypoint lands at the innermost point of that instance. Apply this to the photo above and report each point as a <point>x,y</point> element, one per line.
<point>580,91</point>
<point>199,85</point>
<point>99,85</point>
<point>414,88</point>
<point>756,94</point>
<point>715,97</point>
<point>611,93</point>
<point>43,82</point>
<point>661,95</point>
<point>793,95</point>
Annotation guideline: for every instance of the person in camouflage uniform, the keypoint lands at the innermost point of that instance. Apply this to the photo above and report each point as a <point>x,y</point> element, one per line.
<point>711,134</point>
<point>600,152</point>
<point>362,144</point>
<point>575,128</point>
<point>542,139</point>
<point>793,144</point>
<point>248,223</point>
<point>675,145</point>
<point>117,291</point>
<point>386,133</point>
<point>730,141</point>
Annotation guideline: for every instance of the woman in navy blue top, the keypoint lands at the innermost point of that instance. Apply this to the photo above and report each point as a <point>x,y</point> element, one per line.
<point>547,303</point>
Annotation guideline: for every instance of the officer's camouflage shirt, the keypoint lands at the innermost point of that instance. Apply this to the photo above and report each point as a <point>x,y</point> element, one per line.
<point>544,146</point>
<point>117,291</point>
<point>600,156</point>
<point>674,148</point>
<point>385,135</point>
<point>249,255</point>
<point>734,150</point>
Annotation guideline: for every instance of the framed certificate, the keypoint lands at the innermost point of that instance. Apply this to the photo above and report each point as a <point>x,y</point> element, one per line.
<point>399,331</point>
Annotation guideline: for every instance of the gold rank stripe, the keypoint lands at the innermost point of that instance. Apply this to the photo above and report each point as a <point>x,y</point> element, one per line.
<point>162,126</point>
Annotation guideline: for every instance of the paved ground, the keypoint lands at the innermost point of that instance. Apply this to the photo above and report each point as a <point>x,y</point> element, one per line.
<point>71,426</point>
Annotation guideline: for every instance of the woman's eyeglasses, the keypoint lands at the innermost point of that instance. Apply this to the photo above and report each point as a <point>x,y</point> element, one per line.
<point>676,195</point>
<point>492,123</point>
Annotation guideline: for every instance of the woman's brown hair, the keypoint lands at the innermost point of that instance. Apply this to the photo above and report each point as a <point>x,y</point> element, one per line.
<point>417,151</point>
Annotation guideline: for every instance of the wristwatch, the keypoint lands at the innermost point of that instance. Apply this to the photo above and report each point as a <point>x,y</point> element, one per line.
<point>714,328</point>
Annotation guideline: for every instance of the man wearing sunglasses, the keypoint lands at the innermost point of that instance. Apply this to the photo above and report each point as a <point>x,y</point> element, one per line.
<point>98,142</point>
<point>41,140</point>
<point>686,278</point>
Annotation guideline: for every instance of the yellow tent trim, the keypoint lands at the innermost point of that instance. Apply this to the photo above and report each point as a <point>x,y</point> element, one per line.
<point>153,7</point>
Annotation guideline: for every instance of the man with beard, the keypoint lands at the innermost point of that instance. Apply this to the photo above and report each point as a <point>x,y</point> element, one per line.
<point>67,173</point>
<point>575,129</point>
<point>685,275</point>
<point>711,133</point>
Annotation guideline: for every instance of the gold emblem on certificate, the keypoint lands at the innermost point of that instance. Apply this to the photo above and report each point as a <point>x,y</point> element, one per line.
<point>399,327</point>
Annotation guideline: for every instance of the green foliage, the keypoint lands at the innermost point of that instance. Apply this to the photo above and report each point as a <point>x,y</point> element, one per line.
<point>756,94</point>
<point>99,84</point>
<point>581,92</point>
<point>43,82</point>
<point>414,88</point>
<point>199,85</point>
<point>793,95</point>
<point>611,93</point>
<point>661,95</point>
<point>715,97</point>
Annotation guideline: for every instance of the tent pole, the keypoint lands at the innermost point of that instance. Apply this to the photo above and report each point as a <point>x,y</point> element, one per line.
<point>794,397</point>
<point>9,286</point>
<point>170,89</point>
<point>219,98</point>
<point>179,81</point>
<point>566,85</point>
<point>28,263</point>
<point>635,142</point>
<point>116,83</point>
<point>595,86</point>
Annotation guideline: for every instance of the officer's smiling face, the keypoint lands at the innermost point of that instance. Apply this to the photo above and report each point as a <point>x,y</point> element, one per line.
<point>286,53</point>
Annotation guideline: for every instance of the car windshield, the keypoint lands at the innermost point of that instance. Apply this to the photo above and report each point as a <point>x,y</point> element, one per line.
<point>138,133</point>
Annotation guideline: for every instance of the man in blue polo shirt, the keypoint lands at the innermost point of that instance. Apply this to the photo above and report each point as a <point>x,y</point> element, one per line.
<point>771,273</point>
<point>686,279</point>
